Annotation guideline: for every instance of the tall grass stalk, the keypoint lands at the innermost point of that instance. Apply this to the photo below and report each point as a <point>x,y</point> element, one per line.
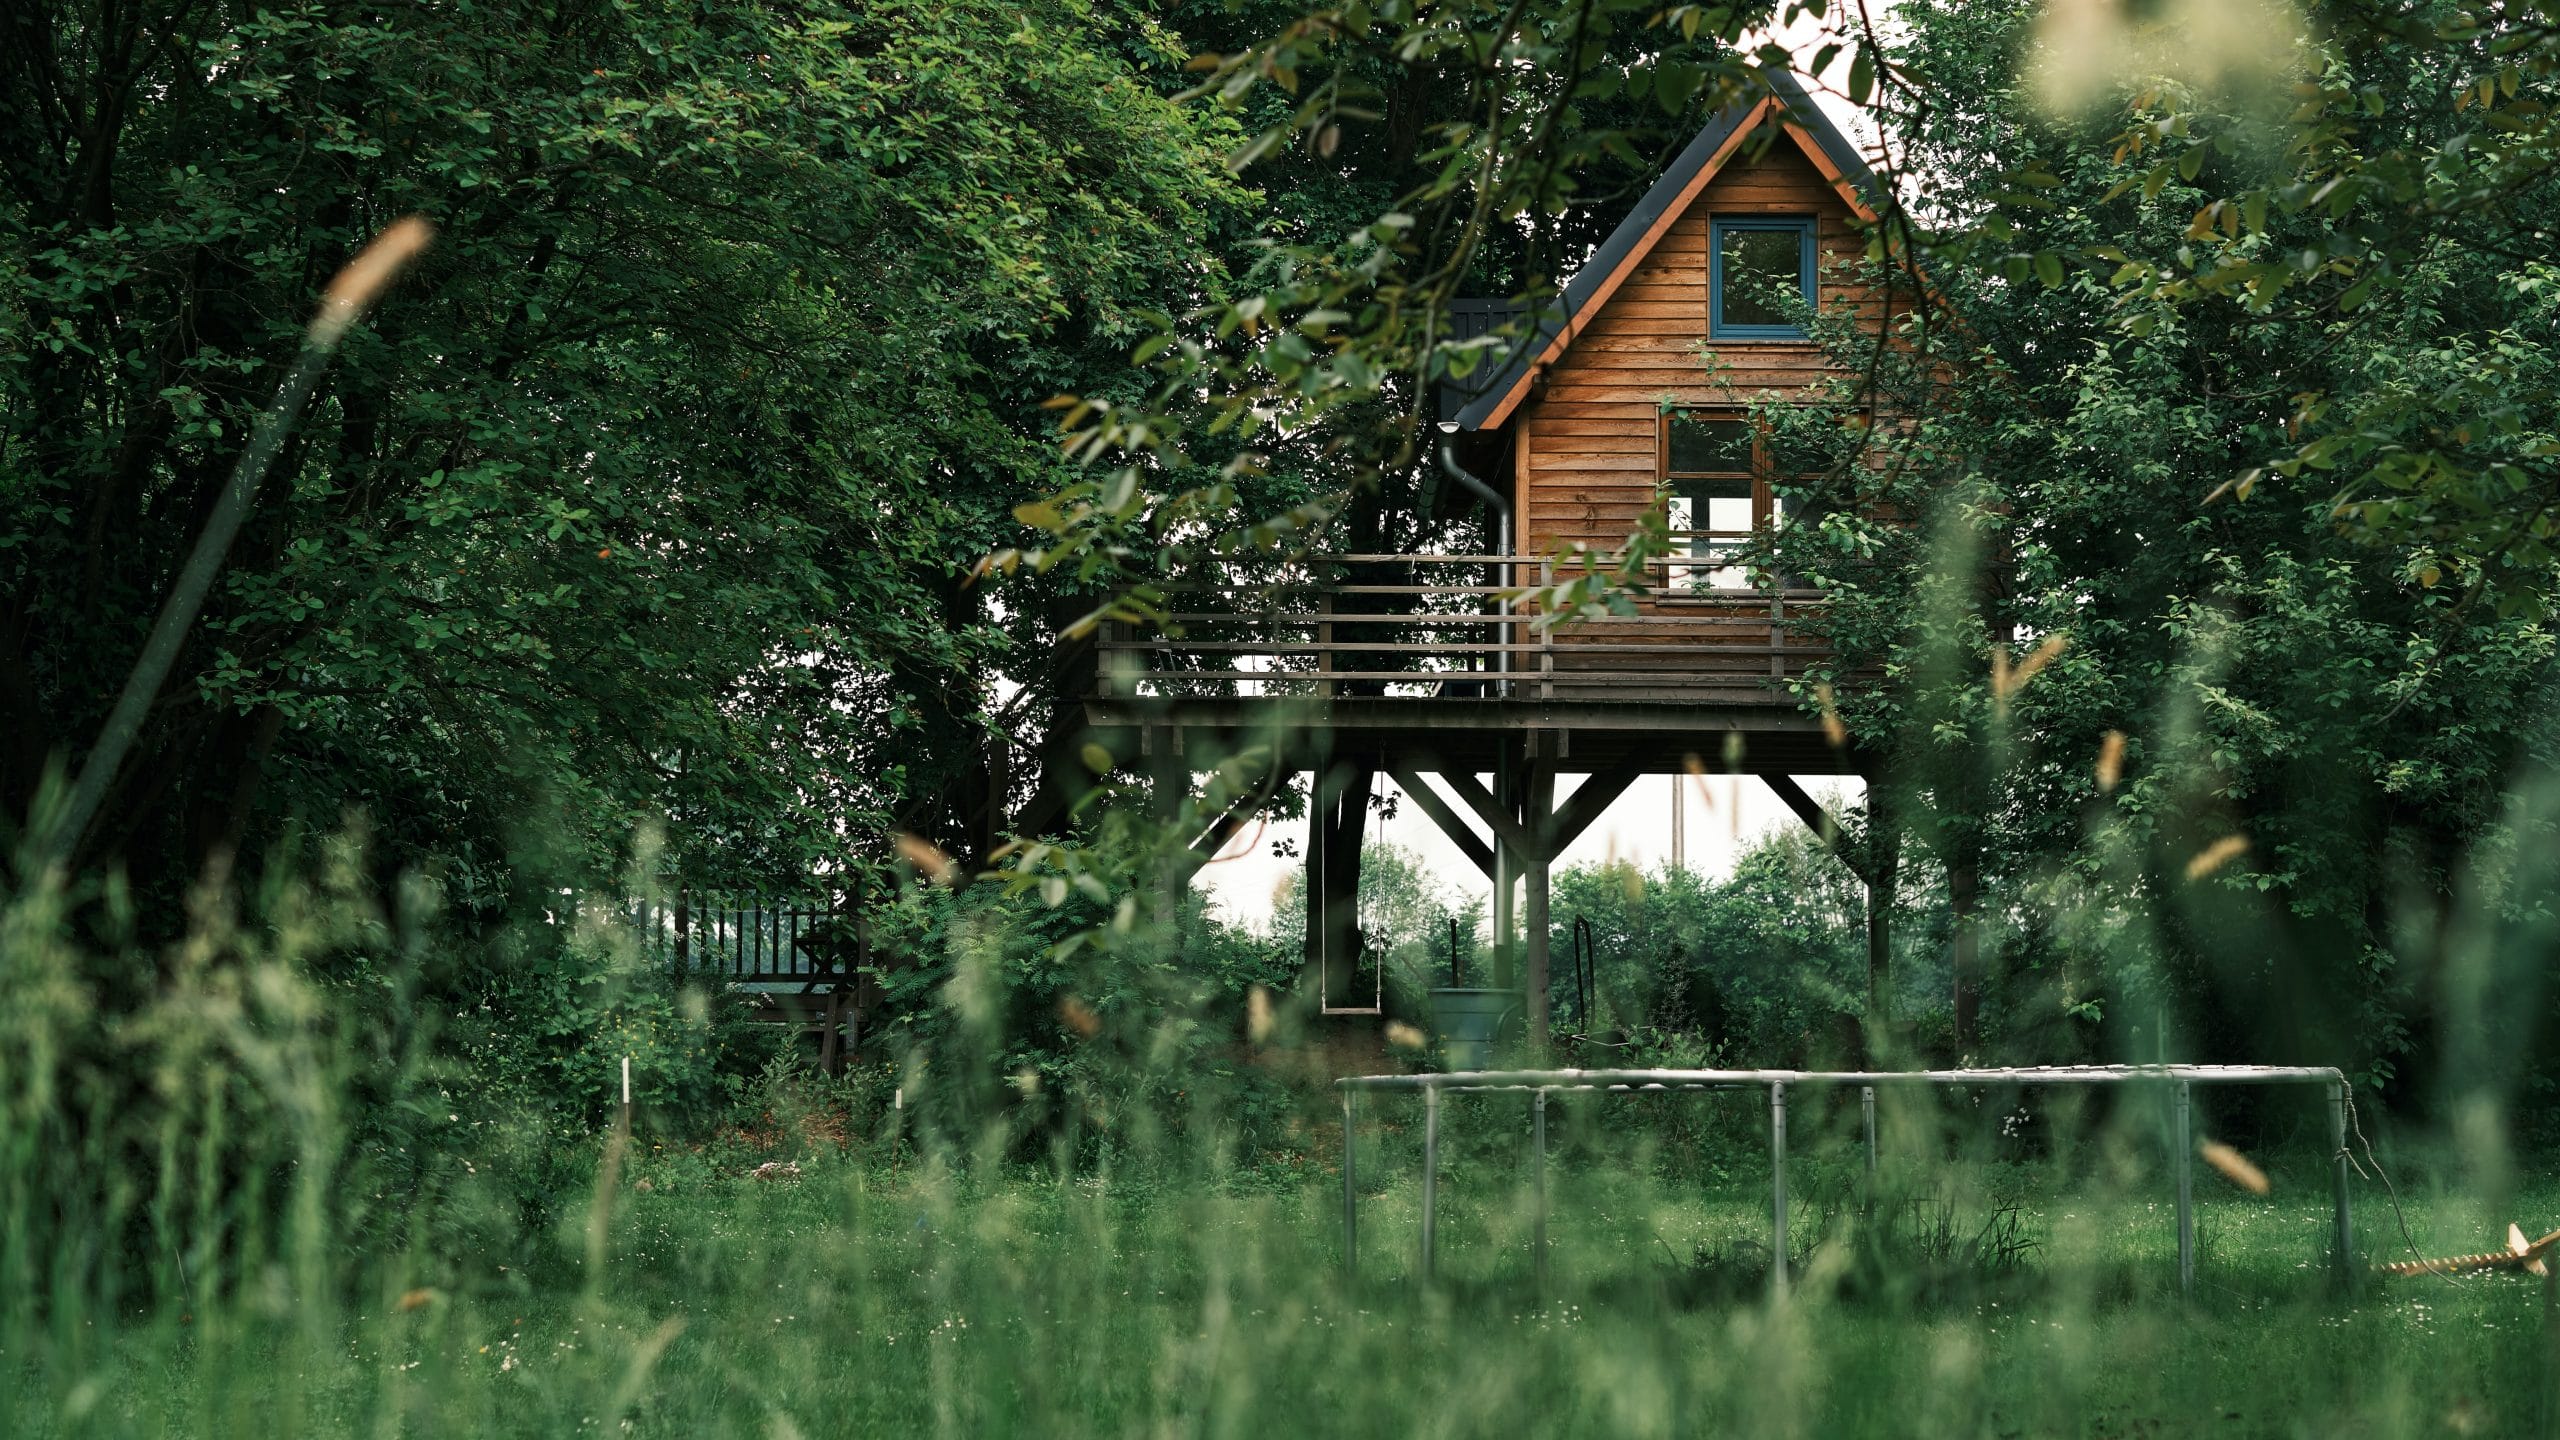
<point>212,1259</point>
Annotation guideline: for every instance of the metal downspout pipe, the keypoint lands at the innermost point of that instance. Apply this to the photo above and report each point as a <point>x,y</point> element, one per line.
<point>1505,871</point>
<point>1502,529</point>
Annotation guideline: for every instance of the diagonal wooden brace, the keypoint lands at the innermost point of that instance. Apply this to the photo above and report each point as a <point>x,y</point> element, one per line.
<point>1417,789</point>
<point>1506,828</point>
<point>1584,805</point>
<point>1819,821</point>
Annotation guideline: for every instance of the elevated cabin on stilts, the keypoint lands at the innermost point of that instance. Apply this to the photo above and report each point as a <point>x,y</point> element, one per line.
<point>1631,395</point>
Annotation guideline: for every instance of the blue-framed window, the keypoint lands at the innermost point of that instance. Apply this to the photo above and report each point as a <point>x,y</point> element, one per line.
<point>1751,261</point>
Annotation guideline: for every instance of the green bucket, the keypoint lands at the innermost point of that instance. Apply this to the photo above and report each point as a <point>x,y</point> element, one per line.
<point>1471,1022</point>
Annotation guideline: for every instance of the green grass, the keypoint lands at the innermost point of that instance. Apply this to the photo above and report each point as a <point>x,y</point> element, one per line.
<point>897,1296</point>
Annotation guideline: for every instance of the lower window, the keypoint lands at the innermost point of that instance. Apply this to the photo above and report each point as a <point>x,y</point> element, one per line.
<point>1715,469</point>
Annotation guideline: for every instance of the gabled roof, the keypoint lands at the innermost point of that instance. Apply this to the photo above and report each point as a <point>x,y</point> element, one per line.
<point>1497,394</point>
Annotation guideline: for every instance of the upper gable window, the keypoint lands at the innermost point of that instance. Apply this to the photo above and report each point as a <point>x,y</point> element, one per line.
<point>1755,265</point>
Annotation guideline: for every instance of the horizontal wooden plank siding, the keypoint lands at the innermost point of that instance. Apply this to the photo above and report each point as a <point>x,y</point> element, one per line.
<point>1584,465</point>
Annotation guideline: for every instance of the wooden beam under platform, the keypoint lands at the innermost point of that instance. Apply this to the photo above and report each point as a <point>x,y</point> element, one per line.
<point>1764,735</point>
<point>1506,827</point>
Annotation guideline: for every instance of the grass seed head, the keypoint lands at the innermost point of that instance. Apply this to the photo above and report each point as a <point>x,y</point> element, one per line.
<point>366,277</point>
<point>2233,1166</point>
<point>2216,855</point>
<point>928,859</point>
<point>1832,730</point>
<point>2110,761</point>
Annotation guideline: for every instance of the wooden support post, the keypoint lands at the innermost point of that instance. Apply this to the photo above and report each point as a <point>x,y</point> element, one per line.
<point>1506,879</point>
<point>831,1043</point>
<point>1540,806</point>
<point>1884,872</point>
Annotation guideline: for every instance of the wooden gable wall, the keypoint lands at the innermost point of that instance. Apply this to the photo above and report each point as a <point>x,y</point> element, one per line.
<point>1584,461</point>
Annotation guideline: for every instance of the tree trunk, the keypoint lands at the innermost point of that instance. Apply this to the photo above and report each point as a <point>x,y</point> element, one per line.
<point>1540,808</point>
<point>1335,835</point>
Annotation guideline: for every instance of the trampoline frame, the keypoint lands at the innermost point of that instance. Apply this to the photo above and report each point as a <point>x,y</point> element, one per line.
<point>1538,1084</point>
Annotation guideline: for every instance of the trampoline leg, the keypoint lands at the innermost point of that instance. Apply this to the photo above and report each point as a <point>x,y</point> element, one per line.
<point>1350,1190</point>
<point>1778,1190</point>
<point>1867,1113</point>
<point>1430,1174</point>
<point>2186,1142</point>
<point>2344,1241</point>
<point>1538,1174</point>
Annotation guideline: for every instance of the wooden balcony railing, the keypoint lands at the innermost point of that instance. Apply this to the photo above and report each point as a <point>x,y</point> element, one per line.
<point>1453,627</point>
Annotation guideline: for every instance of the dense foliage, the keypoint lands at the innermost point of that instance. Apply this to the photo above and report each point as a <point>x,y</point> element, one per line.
<point>2191,517</point>
<point>2186,539</point>
<point>652,491</point>
<point>2315,720</point>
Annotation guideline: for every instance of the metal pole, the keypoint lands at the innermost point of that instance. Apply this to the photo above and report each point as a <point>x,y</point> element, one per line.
<point>2345,1240</point>
<point>1867,1113</point>
<point>1350,1189</point>
<point>1430,1174</point>
<point>1538,1173</point>
<point>1539,817</point>
<point>1778,1190</point>
<point>2186,1192</point>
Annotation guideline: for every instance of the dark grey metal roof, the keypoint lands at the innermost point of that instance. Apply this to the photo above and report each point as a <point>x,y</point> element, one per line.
<point>1485,389</point>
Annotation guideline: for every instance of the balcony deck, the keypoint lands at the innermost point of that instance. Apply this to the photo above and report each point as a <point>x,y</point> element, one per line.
<point>1442,654</point>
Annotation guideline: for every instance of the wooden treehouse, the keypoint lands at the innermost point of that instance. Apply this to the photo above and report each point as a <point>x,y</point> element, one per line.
<point>1630,396</point>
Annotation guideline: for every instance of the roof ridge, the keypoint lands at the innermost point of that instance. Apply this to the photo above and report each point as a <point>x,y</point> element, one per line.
<point>1498,393</point>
